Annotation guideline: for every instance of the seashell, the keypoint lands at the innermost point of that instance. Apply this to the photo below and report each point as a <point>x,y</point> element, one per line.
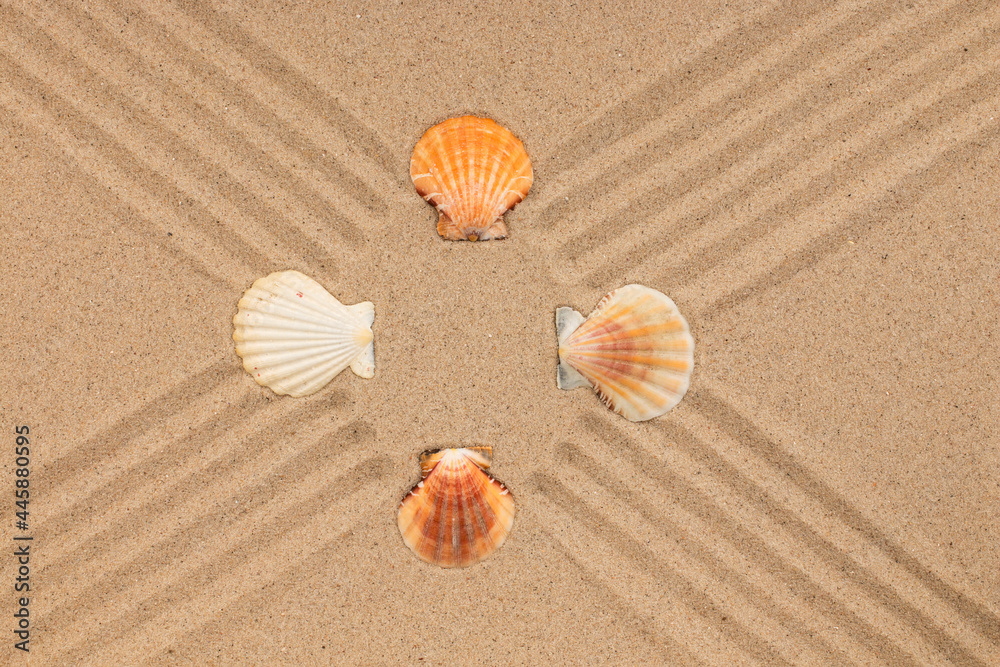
<point>472,170</point>
<point>294,336</point>
<point>457,514</point>
<point>634,349</point>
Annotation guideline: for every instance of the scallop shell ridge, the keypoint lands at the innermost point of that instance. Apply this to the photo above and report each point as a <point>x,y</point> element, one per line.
<point>473,171</point>
<point>635,349</point>
<point>294,337</point>
<point>457,514</point>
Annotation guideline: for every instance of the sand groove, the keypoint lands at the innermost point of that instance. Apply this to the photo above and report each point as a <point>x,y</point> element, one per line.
<point>168,476</point>
<point>296,84</point>
<point>274,503</point>
<point>739,427</point>
<point>139,423</point>
<point>196,179</point>
<point>772,521</point>
<point>833,559</point>
<point>735,102</point>
<point>766,598</point>
<point>751,158</point>
<point>758,31</point>
<point>267,113</point>
<point>737,632</point>
<point>809,204</point>
<point>911,189</point>
<point>92,151</point>
<point>672,651</point>
<point>224,115</point>
<point>117,203</point>
<point>754,159</point>
<point>118,170</point>
<point>253,566</point>
<point>713,539</point>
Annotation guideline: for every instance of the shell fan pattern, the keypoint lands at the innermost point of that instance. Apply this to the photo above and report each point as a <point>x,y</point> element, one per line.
<point>473,171</point>
<point>294,336</point>
<point>457,514</point>
<point>635,349</point>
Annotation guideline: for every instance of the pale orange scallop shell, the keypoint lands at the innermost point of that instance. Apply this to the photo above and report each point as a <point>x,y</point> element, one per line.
<point>457,514</point>
<point>473,171</point>
<point>635,349</point>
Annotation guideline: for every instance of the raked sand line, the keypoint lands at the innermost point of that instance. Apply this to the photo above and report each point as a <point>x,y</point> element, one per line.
<point>708,543</point>
<point>211,248</point>
<point>963,146</point>
<point>262,494</point>
<point>641,558</point>
<point>266,118</point>
<point>607,134</point>
<point>832,184</point>
<point>248,561</point>
<point>182,96</point>
<point>136,216</point>
<point>200,182</point>
<point>770,168</point>
<point>739,427</point>
<point>718,84</point>
<point>297,85</point>
<point>802,538</point>
<point>172,484</point>
<point>710,181</point>
<point>139,423</point>
<point>764,597</point>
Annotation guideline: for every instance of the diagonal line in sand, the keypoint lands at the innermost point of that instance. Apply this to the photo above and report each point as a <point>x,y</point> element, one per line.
<point>709,208</point>
<point>224,115</point>
<point>753,116</point>
<point>204,180</point>
<point>147,418</point>
<point>241,602</point>
<point>154,234</point>
<point>763,501</point>
<point>900,153</point>
<point>296,85</point>
<point>913,187</point>
<point>673,651</point>
<point>163,478</point>
<point>213,246</point>
<point>114,165</point>
<point>745,638</point>
<point>256,490</point>
<point>742,429</point>
<point>248,561</point>
<point>755,29</point>
<point>191,53</point>
<point>213,455</point>
<point>702,87</point>
<point>820,547</point>
<point>696,503</point>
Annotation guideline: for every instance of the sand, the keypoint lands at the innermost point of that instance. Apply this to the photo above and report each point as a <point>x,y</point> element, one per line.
<point>813,183</point>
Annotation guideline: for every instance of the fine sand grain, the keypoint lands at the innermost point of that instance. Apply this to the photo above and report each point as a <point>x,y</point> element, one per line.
<point>813,183</point>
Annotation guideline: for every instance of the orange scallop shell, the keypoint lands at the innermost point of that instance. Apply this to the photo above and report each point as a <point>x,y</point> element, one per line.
<point>457,514</point>
<point>635,349</point>
<point>472,170</point>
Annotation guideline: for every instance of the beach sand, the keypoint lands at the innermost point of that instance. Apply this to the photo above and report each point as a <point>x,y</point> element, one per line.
<point>814,184</point>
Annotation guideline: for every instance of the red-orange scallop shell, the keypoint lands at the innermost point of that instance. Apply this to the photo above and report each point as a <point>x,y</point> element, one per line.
<point>473,171</point>
<point>457,514</point>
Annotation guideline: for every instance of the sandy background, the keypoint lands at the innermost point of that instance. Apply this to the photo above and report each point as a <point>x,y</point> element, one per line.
<point>814,183</point>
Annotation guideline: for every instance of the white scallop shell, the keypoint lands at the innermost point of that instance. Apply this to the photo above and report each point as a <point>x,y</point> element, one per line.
<point>294,336</point>
<point>635,349</point>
